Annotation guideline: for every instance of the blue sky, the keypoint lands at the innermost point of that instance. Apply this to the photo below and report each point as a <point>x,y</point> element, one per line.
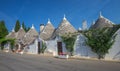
<point>38,11</point>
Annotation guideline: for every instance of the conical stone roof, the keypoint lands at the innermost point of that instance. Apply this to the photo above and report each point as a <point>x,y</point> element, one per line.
<point>20,34</point>
<point>47,31</point>
<point>65,27</point>
<point>11,35</point>
<point>30,36</point>
<point>101,23</point>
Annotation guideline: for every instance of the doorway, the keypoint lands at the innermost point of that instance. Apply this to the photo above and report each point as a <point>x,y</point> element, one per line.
<point>38,47</point>
<point>59,45</point>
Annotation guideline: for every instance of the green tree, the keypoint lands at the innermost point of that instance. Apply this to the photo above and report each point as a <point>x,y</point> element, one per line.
<point>25,28</point>
<point>69,40</point>
<point>3,41</point>
<point>3,29</point>
<point>17,26</point>
<point>23,25</point>
<point>3,32</point>
<point>100,41</point>
<point>28,29</point>
<point>43,47</point>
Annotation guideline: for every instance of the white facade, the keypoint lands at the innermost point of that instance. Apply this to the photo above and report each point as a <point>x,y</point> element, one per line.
<point>81,49</point>
<point>33,48</point>
<point>53,48</point>
<point>114,51</point>
<point>7,47</point>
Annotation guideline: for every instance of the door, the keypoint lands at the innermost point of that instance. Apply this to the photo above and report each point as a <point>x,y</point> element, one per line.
<point>59,45</point>
<point>38,47</point>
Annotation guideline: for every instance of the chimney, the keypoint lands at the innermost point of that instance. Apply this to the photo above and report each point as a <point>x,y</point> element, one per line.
<point>41,27</point>
<point>84,25</point>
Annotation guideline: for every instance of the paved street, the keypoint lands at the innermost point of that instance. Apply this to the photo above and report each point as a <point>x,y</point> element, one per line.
<point>17,62</point>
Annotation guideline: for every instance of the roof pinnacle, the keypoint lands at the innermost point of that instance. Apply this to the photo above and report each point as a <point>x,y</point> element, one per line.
<point>21,27</point>
<point>64,17</point>
<point>13,30</point>
<point>100,15</point>
<point>49,20</point>
<point>32,26</point>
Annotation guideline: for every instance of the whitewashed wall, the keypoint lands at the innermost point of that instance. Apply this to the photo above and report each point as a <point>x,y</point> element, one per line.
<point>33,48</point>
<point>114,51</point>
<point>52,46</point>
<point>81,49</point>
<point>7,47</point>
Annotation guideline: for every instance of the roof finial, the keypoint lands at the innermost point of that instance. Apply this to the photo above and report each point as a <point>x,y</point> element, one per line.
<point>21,27</point>
<point>49,20</point>
<point>100,14</point>
<point>32,26</point>
<point>13,30</point>
<point>79,29</point>
<point>93,22</point>
<point>64,17</point>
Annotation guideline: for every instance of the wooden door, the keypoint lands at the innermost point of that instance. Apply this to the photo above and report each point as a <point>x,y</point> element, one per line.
<point>38,47</point>
<point>59,45</point>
